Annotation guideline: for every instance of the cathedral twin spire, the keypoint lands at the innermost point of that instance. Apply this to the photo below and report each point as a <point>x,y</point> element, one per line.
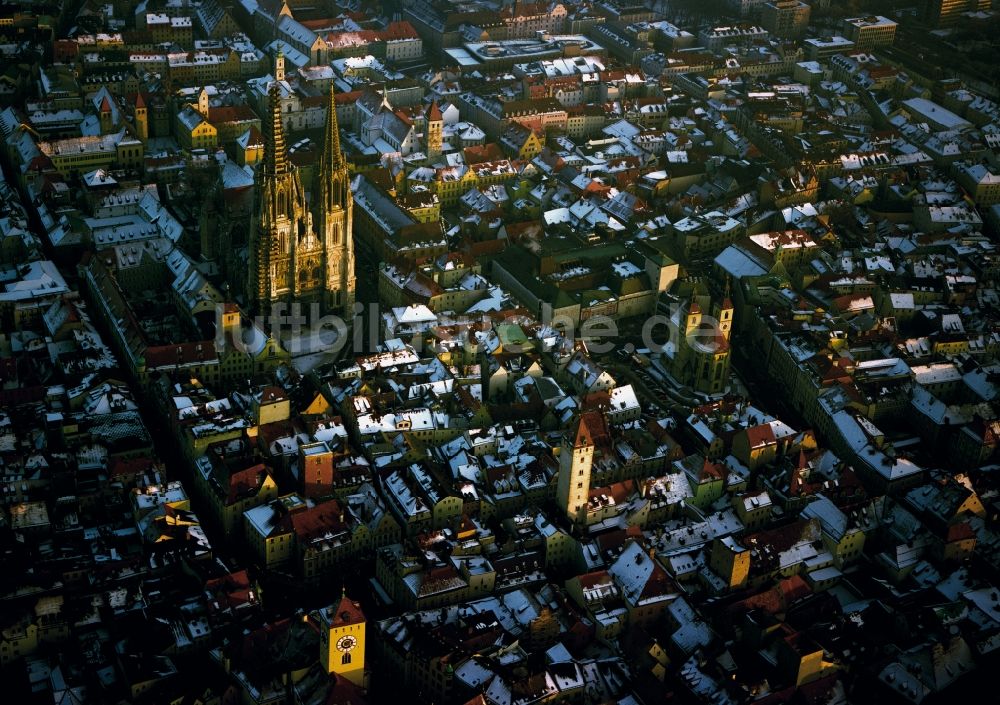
<point>275,151</point>
<point>298,256</point>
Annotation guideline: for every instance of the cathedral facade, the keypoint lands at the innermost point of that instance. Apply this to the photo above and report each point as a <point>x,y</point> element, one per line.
<point>300,252</point>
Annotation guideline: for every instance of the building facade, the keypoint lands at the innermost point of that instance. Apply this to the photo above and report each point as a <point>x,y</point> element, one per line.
<point>785,18</point>
<point>870,32</point>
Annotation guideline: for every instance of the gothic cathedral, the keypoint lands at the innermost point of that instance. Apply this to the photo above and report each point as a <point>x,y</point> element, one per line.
<point>298,255</point>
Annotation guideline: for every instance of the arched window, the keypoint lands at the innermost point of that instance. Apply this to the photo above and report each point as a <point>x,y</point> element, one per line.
<point>345,659</point>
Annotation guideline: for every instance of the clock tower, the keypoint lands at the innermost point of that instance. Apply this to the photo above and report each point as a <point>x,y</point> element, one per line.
<point>342,640</point>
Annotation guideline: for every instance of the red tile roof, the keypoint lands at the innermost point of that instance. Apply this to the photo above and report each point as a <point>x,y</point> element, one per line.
<point>591,430</point>
<point>399,30</point>
<point>347,98</point>
<point>711,471</point>
<point>343,692</point>
<point>597,577</point>
<point>120,467</point>
<point>179,354</point>
<point>231,590</point>
<point>272,394</point>
<point>760,435</point>
<point>245,482</point>
<point>960,532</point>
<point>318,520</point>
<point>348,612</point>
<point>231,113</point>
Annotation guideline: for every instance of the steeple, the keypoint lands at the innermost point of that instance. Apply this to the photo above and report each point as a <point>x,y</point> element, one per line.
<point>333,187</point>
<point>275,156</point>
<point>331,145</point>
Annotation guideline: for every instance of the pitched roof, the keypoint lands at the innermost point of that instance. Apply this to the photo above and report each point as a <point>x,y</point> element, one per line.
<point>318,520</point>
<point>760,435</point>
<point>710,471</point>
<point>590,429</point>
<point>251,138</point>
<point>245,482</point>
<point>231,113</point>
<point>179,354</point>
<point>348,612</point>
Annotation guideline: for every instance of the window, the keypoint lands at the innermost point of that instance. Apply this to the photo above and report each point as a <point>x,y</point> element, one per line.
<point>345,659</point>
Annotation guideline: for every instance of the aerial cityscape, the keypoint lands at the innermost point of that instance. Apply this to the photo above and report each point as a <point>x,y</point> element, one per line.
<point>492,352</point>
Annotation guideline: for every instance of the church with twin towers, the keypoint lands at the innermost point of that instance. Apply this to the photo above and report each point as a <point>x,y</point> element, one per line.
<point>301,250</point>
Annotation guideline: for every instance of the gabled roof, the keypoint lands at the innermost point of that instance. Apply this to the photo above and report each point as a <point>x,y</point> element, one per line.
<point>231,113</point>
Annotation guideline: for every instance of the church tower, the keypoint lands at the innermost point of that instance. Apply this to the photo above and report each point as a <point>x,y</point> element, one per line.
<point>692,321</point>
<point>576,459</point>
<point>279,221</point>
<point>342,640</point>
<point>435,127</point>
<point>684,353</point>
<point>141,118</point>
<point>724,315</point>
<point>334,219</point>
<point>106,117</point>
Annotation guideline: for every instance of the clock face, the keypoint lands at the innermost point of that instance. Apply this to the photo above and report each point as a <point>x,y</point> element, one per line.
<point>346,643</point>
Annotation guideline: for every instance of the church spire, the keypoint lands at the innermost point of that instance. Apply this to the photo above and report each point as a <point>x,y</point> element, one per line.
<point>332,143</point>
<point>275,156</point>
<point>332,178</point>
